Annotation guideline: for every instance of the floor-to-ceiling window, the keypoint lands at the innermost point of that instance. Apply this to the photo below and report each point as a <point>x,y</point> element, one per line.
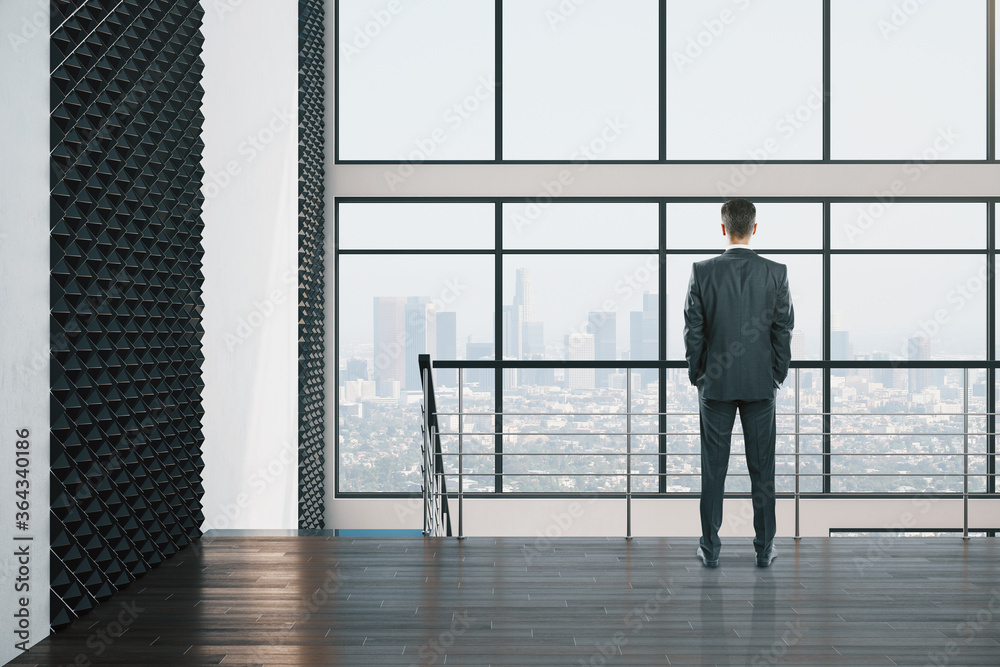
<point>894,347</point>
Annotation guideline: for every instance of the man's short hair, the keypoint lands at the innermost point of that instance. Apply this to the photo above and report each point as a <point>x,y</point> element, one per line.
<point>739,216</point>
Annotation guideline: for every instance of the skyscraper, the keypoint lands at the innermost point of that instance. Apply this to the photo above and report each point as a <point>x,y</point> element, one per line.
<point>580,347</point>
<point>481,378</point>
<point>524,295</point>
<point>798,345</point>
<point>356,369</point>
<point>918,348</point>
<point>644,335</point>
<point>389,339</point>
<point>420,338</point>
<point>512,334</point>
<point>533,347</point>
<point>602,325</point>
<point>840,344</point>
<point>447,347</point>
<point>884,376</point>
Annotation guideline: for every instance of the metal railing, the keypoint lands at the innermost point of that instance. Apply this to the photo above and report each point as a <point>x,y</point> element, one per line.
<point>435,496</point>
<point>437,518</point>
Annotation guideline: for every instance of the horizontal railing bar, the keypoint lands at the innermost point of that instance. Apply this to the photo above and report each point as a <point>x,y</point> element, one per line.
<point>782,454</point>
<point>808,364</point>
<point>695,414</point>
<point>698,474</point>
<point>482,434</point>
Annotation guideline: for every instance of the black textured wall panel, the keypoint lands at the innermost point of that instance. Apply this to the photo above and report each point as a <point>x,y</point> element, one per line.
<point>126,292</point>
<point>312,353</point>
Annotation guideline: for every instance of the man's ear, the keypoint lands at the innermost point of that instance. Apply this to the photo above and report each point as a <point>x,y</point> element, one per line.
<point>723,229</point>
<point>754,229</point>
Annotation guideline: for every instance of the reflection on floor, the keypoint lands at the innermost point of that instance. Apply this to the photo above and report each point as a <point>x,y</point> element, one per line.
<point>330,600</point>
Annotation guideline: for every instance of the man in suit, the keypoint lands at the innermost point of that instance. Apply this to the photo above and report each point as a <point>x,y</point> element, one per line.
<point>738,321</point>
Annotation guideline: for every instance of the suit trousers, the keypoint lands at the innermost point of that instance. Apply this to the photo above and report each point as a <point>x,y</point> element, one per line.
<point>759,433</point>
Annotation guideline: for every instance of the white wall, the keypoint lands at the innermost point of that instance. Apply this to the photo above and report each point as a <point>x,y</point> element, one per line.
<point>24,328</point>
<point>671,517</point>
<point>250,264</point>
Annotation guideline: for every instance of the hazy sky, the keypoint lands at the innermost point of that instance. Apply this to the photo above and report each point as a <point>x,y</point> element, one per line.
<point>881,299</point>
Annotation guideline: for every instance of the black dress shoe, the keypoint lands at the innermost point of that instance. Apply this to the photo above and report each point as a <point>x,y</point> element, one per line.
<point>704,558</point>
<point>764,560</point>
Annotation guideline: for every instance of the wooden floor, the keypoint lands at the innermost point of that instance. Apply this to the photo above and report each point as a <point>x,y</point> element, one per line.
<point>512,601</point>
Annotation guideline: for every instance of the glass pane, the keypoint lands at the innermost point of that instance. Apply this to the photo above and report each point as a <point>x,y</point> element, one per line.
<point>387,226</point>
<point>907,225</point>
<point>744,80</point>
<point>551,447</point>
<point>580,82</point>
<point>392,308</point>
<point>698,226</point>
<point>400,99</point>
<point>580,307</point>
<point>908,307</point>
<point>683,440</point>
<point>908,81</point>
<point>580,226</point>
<point>805,280</point>
<point>902,430</point>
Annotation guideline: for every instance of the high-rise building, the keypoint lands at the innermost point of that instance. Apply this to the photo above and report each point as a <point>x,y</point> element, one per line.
<point>447,348</point>
<point>884,376</point>
<point>918,348</point>
<point>420,337</point>
<point>602,325</point>
<point>524,295</point>
<point>532,340</point>
<point>644,335</point>
<point>533,347</point>
<point>389,338</point>
<point>512,333</point>
<point>798,345</point>
<point>356,369</point>
<point>479,378</point>
<point>840,347</point>
<point>580,347</point>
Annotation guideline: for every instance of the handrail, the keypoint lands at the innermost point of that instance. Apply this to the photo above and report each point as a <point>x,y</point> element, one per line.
<point>629,453</point>
<point>437,518</point>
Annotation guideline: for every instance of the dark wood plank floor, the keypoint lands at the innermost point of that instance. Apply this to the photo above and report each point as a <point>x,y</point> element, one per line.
<point>510,601</point>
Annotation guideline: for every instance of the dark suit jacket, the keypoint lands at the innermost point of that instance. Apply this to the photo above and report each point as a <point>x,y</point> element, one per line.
<point>738,322</point>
